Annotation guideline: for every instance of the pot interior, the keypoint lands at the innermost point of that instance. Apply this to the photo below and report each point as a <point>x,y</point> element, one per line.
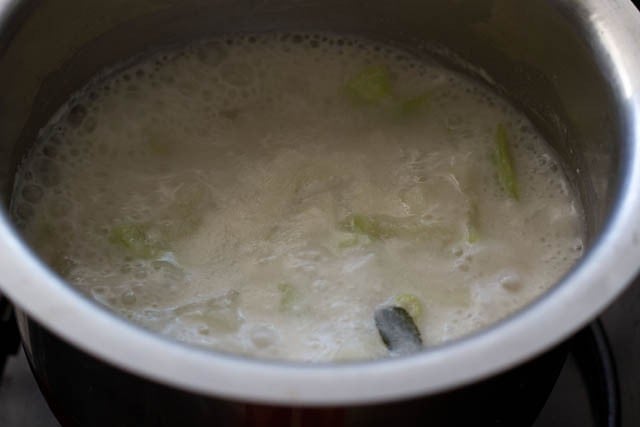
<point>542,55</point>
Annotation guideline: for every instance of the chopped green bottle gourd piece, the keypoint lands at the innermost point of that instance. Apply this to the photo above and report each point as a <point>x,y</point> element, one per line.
<point>504,164</point>
<point>370,86</point>
<point>378,227</point>
<point>410,303</point>
<point>134,239</point>
<point>363,224</point>
<point>473,235</point>
<point>287,296</point>
<point>414,105</point>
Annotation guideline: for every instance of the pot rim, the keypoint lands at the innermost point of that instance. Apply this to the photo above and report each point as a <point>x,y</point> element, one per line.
<point>608,267</point>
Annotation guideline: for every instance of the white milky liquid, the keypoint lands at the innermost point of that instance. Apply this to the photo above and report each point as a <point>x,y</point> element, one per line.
<point>209,193</point>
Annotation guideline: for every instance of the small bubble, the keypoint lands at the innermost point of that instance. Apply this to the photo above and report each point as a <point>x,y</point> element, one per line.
<point>60,206</point>
<point>24,211</point>
<point>263,336</point>
<point>90,125</point>
<point>511,283</point>
<point>77,115</point>
<point>32,193</point>
<point>128,297</point>
<point>50,151</point>
<point>48,172</point>
<point>140,273</point>
<point>463,267</point>
<point>211,53</point>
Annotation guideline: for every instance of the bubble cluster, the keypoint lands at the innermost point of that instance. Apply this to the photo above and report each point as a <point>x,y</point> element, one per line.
<point>231,193</point>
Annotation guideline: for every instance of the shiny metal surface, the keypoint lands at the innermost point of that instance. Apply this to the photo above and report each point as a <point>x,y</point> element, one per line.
<point>574,67</point>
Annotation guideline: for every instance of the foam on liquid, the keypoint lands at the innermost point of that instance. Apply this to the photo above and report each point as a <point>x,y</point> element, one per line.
<point>239,159</point>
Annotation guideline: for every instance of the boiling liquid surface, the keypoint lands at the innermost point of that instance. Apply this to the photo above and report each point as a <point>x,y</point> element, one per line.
<point>236,194</point>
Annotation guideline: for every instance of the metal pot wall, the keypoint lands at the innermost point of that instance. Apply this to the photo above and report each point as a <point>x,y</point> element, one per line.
<point>573,67</point>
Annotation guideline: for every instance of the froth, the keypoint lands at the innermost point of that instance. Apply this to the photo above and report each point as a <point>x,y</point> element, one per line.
<point>234,161</point>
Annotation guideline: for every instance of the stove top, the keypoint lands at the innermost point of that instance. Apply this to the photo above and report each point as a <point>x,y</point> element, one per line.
<point>599,385</point>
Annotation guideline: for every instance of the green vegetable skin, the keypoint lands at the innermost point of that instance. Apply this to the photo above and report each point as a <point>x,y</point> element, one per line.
<point>504,164</point>
<point>370,86</point>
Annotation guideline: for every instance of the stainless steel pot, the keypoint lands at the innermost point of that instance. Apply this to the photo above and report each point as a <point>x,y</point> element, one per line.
<point>572,66</point>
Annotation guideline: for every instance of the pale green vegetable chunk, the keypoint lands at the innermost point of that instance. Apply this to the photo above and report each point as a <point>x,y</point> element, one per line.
<point>504,164</point>
<point>370,86</point>
<point>369,225</point>
<point>287,296</point>
<point>473,235</point>
<point>135,239</point>
<point>411,304</point>
<point>381,227</point>
<point>378,227</point>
